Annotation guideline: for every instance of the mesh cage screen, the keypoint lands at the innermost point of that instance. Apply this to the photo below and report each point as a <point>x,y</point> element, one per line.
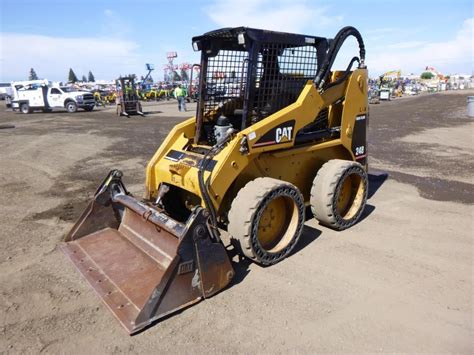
<point>282,72</point>
<point>225,80</point>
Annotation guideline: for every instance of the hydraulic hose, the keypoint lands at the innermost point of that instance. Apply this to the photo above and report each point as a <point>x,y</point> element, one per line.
<point>336,44</point>
<point>205,190</point>
<point>344,76</point>
<point>204,186</point>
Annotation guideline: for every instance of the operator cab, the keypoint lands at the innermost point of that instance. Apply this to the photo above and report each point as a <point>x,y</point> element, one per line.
<point>248,74</point>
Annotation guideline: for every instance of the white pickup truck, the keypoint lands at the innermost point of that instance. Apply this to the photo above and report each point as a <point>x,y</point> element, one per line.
<point>42,95</point>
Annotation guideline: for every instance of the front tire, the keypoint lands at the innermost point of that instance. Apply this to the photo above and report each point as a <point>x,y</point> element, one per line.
<point>339,193</point>
<point>25,108</point>
<point>266,220</point>
<point>71,107</point>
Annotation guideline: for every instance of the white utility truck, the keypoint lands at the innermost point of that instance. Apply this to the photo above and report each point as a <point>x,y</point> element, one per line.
<point>385,94</point>
<point>43,95</point>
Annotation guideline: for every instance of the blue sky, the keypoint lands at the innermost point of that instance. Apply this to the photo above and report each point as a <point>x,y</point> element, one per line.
<point>118,37</point>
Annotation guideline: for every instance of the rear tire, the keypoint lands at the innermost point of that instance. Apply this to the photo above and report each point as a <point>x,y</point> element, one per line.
<point>25,108</point>
<point>266,220</point>
<point>339,193</point>
<point>71,106</point>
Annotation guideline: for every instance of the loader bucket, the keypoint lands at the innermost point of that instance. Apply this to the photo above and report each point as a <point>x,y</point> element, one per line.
<point>143,264</point>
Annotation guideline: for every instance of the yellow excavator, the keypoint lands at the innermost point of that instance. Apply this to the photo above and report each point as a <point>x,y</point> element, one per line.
<point>276,131</point>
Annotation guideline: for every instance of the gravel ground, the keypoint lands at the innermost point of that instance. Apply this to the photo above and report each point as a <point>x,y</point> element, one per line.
<point>401,280</point>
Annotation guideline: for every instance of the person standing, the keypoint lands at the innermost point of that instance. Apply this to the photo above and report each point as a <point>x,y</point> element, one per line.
<point>179,94</point>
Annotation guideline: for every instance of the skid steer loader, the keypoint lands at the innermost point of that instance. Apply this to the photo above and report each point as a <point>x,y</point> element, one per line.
<point>276,130</point>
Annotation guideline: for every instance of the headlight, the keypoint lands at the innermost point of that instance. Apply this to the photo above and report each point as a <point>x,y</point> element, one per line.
<point>79,97</point>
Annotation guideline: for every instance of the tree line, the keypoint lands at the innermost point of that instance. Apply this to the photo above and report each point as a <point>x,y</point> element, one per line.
<point>72,77</point>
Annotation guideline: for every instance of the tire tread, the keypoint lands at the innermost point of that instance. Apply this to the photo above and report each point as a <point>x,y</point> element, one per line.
<point>243,209</point>
<point>324,189</point>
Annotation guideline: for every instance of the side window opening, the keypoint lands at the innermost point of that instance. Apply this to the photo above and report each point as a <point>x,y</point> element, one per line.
<point>225,83</point>
<point>281,73</point>
<point>298,62</point>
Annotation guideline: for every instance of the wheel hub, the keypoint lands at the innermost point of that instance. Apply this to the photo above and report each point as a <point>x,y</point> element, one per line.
<point>272,223</point>
<point>350,196</point>
<point>344,197</point>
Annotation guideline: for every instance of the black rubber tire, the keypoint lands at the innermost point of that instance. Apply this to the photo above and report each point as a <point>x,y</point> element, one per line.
<point>25,108</point>
<point>246,212</point>
<point>326,189</point>
<point>89,108</point>
<point>71,106</point>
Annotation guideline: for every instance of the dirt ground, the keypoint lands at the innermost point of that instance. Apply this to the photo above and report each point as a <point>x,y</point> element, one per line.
<point>401,280</point>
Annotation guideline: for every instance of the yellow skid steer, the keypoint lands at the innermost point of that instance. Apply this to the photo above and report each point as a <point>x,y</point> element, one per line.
<point>276,130</point>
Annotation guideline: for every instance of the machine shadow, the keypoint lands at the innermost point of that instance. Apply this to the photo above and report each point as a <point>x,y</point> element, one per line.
<point>366,213</point>
<point>241,264</point>
<point>376,180</point>
<point>309,235</point>
<point>241,267</point>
